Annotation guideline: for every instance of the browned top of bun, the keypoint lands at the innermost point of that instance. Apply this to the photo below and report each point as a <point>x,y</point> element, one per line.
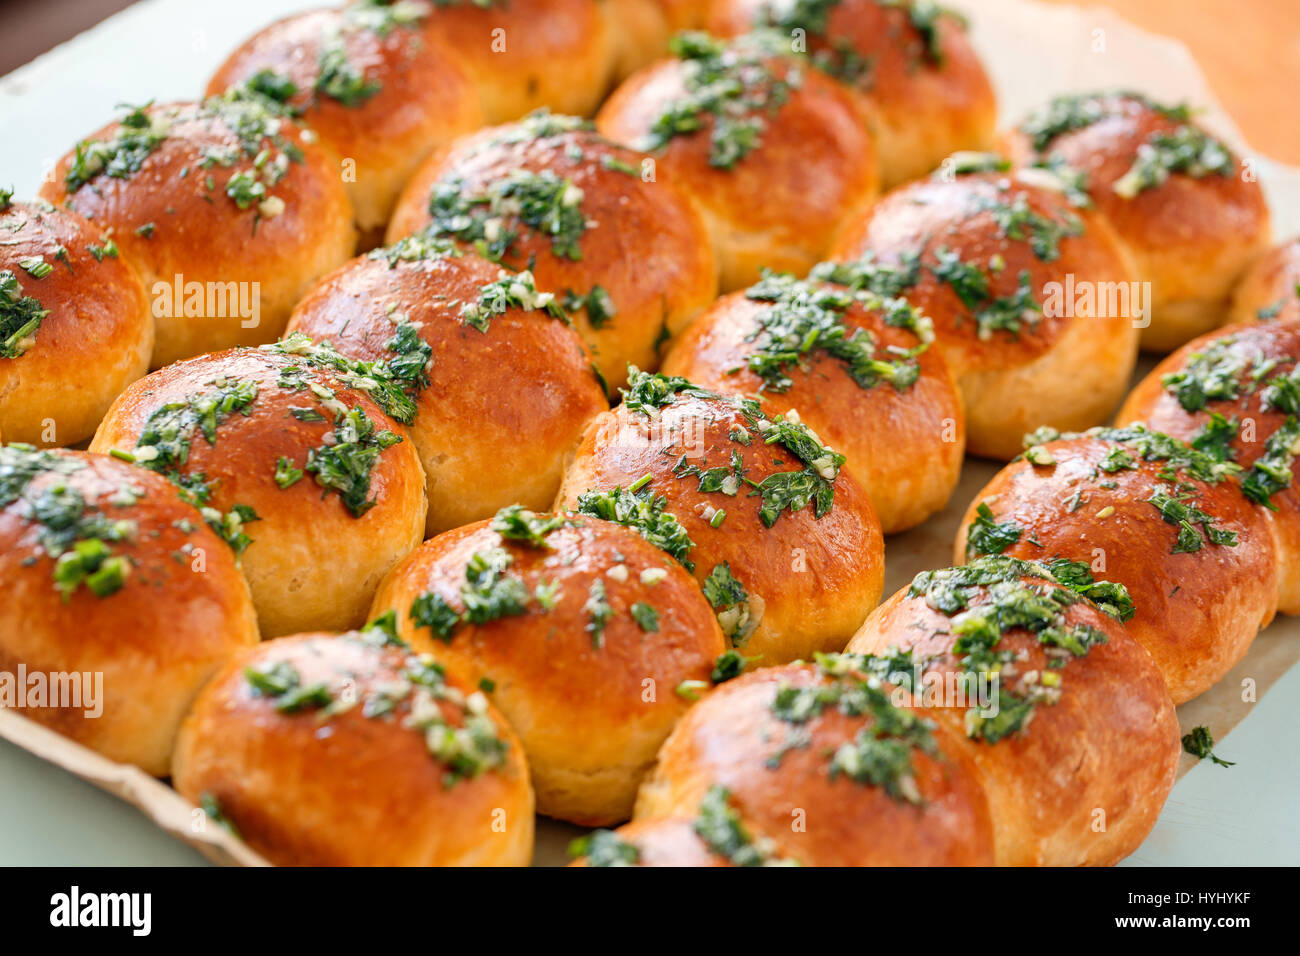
<point>1212,210</point>
<point>906,70</point>
<point>642,242</point>
<point>407,87</point>
<point>270,418</point>
<point>557,31</point>
<point>1005,233</point>
<point>1273,285</point>
<point>781,772</point>
<point>95,300</point>
<point>157,608</point>
<point>570,666</point>
<point>813,161</point>
<point>347,776</point>
<point>526,373</point>
<point>173,213</point>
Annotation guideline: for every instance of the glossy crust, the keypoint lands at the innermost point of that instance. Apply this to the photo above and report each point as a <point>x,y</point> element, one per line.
<point>778,206</point>
<point>96,339</point>
<point>304,789</point>
<point>925,107</point>
<point>524,54</point>
<point>665,842</point>
<point>182,611</point>
<point>645,245</point>
<point>1270,288</point>
<point>1068,371</point>
<point>311,563</point>
<point>905,448</point>
<point>590,718</point>
<point>1197,612</point>
<point>1082,783</point>
<point>728,740</point>
<point>503,409</point>
<point>1190,238</point>
<point>642,28</point>
<point>1255,344</point>
<point>202,236</point>
<point>816,578</point>
<point>424,98</point>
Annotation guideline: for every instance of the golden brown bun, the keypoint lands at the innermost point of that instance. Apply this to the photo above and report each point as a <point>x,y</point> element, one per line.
<point>1068,371</point>
<point>642,28</point>
<point>645,244</point>
<point>1275,346</point>
<point>182,609</point>
<point>176,230</point>
<point>732,738</point>
<point>656,842</point>
<point>1270,288</point>
<point>777,206</point>
<point>1190,238</point>
<point>905,447</point>
<point>927,106</point>
<point>524,54</point>
<point>354,787</point>
<point>591,718</point>
<point>524,385</point>
<point>1082,781</point>
<point>810,581</point>
<point>1197,611</point>
<point>94,341</point>
<point>311,562</point>
<point>424,98</point>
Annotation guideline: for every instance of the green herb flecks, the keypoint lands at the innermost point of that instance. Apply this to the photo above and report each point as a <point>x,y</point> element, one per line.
<point>489,217</point>
<point>719,825</point>
<point>20,317</point>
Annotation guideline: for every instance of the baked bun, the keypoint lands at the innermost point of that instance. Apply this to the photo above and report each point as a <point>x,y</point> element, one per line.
<point>323,750</point>
<point>913,61</point>
<point>227,208</point>
<point>1030,668</point>
<point>120,603</point>
<point>75,327</point>
<point>1235,394</point>
<point>524,54</point>
<point>642,28</point>
<point>1270,288</point>
<point>289,451</point>
<point>507,375</point>
<point>374,86</point>
<point>760,510</point>
<point>1146,511</point>
<point>858,369</point>
<point>630,259</point>
<point>590,640</point>
<point>667,842</point>
<point>1001,263</point>
<point>1176,196</point>
<point>776,154</point>
<point>819,767</point>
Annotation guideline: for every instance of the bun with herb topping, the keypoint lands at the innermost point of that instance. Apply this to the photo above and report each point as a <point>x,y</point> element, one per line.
<point>1030,669</point>
<point>1009,272</point>
<point>501,386</point>
<point>377,88</point>
<point>525,54</point>
<point>913,61</point>
<point>1270,288</point>
<point>815,765</point>
<point>629,259</point>
<point>349,750</point>
<point>1236,394</point>
<point>591,641</point>
<point>291,453</point>
<point>760,510</point>
<point>226,208</point>
<point>854,366</point>
<point>1147,511</point>
<point>776,154</point>
<point>1177,196</point>
<point>75,327</point>
<point>672,841</point>
<point>121,603</point>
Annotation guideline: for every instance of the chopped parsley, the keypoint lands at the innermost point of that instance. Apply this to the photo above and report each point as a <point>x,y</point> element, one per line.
<point>644,512</point>
<point>1195,527</point>
<point>512,290</point>
<point>986,536</point>
<point>20,317</point>
<point>515,523</point>
<point>1187,150</point>
<point>646,617</point>
<point>486,217</point>
<point>599,612</point>
<point>139,133</point>
<point>1200,744</point>
<point>604,848</point>
<point>719,825</point>
<point>1271,471</point>
<point>736,612</point>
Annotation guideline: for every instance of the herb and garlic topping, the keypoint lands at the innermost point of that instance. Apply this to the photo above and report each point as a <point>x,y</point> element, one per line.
<point>719,825</point>
<point>20,317</point>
